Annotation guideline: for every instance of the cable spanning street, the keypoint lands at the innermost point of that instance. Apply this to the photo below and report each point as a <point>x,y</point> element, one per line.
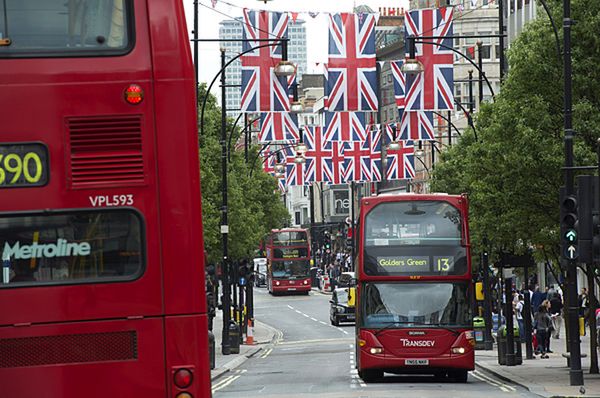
<point>311,357</point>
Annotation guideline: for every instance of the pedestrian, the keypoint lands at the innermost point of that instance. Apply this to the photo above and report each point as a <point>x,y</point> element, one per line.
<point>541,326</point>
<point>584,306</point>
<point>519,315</point>
<point>536,299</point>
<point>556,306</point>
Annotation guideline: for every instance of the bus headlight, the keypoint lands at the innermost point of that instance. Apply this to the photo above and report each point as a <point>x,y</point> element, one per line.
<point>276,283</point>
<point>305,282</point>
<point>376,350</point>
<point>458,350</point>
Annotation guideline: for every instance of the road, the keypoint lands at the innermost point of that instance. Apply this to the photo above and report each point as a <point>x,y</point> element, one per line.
<point>313,358</point>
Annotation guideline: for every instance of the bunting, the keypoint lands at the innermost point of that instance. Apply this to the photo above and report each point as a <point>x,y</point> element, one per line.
<point>278,127</point>
<point>401,162</point>
<point>345,126</point>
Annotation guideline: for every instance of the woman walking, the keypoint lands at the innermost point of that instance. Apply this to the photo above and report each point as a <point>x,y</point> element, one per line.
<point>542,323</point>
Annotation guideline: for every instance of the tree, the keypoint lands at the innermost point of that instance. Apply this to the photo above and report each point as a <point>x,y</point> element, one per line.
<point>253,206</point>
<point>513,172</point>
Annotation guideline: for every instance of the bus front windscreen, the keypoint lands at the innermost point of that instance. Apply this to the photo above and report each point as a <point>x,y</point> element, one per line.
<point>290,238</point>
<point>414,238</point>
<point>290,269</point>
<point>410,305</point>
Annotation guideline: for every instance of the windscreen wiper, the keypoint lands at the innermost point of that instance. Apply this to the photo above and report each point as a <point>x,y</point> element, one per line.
<point>439,325</point>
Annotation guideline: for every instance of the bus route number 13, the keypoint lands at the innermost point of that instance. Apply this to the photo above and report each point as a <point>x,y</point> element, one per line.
<point>443,264</point>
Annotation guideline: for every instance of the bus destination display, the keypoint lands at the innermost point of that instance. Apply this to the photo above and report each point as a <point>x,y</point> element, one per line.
<point>23,165</point>
<point>417,265</point>
<point>296,252</point>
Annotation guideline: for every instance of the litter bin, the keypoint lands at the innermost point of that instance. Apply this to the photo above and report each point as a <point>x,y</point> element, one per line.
<point>501,338</point>
<point>211,349</point>
<point>234,337</point>
<point>479,330</point>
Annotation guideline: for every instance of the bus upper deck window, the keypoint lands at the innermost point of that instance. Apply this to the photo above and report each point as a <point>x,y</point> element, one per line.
<point>64,28</point>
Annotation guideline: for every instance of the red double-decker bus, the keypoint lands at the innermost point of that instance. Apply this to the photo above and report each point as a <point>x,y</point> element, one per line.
<point>102,290</point>
<point>414,287</point>
<point>288,261</point>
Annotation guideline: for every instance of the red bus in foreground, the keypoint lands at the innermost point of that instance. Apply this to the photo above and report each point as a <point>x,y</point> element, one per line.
<point>288,261</point>
<point>102,289</point>
<point>414,287</point>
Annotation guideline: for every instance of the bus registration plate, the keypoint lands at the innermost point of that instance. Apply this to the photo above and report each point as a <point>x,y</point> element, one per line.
<point>416,362</point>
<point>291,289</point>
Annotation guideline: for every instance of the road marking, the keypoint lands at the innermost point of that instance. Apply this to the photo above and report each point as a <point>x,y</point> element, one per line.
<point>299,312</point>
<point>266,353</point>
<point>228,380</point>
<point>313,319</point>
<point>317,341</point>
<point>306,315</point>
<point>493,382</point>
<point>323,323</point>
<point>290,307</point>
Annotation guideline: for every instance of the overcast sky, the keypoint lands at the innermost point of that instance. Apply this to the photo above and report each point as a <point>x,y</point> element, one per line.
<point>316,29</point>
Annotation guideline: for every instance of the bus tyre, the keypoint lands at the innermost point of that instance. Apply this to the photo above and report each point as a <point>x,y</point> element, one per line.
<point>459,376</point>
<point>370,375</point>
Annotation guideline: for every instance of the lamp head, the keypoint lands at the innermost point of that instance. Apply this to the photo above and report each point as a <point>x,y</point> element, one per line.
<point>419,152</point>
<point>301,148</point>
<point>279,168</point>
<point>394,146</point>
<point>412,67</point>
<point>296,107</point>
<point>279,175</point>
<point>285,68</point>
<point>299,159</point>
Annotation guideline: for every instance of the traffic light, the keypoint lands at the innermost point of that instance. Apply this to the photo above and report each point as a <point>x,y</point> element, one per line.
<point>568,225</point>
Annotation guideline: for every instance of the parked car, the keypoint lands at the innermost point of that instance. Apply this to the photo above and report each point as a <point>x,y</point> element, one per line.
<point>260,272</point>
<point>339,310</point>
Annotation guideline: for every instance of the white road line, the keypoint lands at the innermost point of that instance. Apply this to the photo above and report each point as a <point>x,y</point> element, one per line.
<point>306,315</point>
<point>322,322</point>
<point>500,383</point>
<point>299,312</point>
<point>290,307</point>
<point>501,386</point>
<point>314,319</point>
<point>266,353</point>
<point>233,378</point>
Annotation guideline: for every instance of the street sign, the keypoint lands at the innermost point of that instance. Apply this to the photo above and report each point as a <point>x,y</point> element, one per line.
<point>571,235</point>
<point>571,252</point>
<point>242,281</point>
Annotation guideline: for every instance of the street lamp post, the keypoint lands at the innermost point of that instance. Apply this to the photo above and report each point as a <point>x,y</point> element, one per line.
<point>575,373</point>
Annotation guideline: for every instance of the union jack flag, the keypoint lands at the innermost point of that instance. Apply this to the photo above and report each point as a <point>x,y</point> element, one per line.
<point>294,172</point>
<point>434,88</point>
<point>417,125</point>
<point>401,162</point>
<point>399,84</point>
<point>292,83</point>
<point>278,127</point>
<point>391,132</point>
<point>335,164</point>
<point>262,90</point>
<point>351,83</point>
<point>268,161</point>
<point>345,126</point>
<point>358,161</point>
<point>375,145</point>
<point>316,170</point>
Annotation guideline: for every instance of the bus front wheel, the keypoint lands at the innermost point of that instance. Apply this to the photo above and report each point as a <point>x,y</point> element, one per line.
<point>370,375</point>
<point>459,376</point>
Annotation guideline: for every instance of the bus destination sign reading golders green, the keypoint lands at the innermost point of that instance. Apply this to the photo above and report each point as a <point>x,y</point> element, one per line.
<point>23,165</point>
<point>417,265</point>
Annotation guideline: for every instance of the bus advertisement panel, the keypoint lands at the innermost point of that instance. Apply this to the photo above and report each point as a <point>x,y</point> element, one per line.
<point>288,261</point>
<point>414,287</point>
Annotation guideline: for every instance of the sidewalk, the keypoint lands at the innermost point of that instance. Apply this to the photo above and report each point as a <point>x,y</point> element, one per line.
<point>263,334</point>
<point>545,377</point>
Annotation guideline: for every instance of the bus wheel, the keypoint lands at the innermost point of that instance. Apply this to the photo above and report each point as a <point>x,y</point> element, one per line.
<point>370,375</point>
<point>459,376</point>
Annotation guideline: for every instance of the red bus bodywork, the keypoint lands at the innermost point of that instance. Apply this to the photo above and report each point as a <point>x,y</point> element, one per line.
<point>385,350</point>
<point>300,252</point>
<point>111,338</point>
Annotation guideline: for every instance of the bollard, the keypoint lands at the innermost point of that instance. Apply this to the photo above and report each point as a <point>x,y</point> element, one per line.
<point>234,337</point>
<point>211,349</point>
<point>250,333</point>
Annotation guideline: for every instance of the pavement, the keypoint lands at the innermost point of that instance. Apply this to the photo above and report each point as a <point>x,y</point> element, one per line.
<point>544,377</point>
<point>264,335</point>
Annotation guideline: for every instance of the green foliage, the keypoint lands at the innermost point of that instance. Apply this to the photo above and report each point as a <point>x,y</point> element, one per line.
<point>253,206</point>
<point>513,172</point>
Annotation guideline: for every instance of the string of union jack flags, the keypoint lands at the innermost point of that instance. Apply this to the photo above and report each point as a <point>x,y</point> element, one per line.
<point>347,146</point>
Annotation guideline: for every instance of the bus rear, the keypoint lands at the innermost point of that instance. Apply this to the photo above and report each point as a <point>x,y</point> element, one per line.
<point>414,287</point>
<point>288,261</point>
<point>102,289</point>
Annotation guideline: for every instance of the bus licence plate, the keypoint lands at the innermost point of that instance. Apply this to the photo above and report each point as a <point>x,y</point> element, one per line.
<point>416,362</point>
<point>291,288</point>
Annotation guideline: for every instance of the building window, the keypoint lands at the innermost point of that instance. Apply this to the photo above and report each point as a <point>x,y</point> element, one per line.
<point>297,218</point>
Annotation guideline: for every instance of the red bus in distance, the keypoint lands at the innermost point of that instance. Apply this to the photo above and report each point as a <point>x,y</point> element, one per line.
<point>102,290</point>
<point>288,261</point>
<point>414,287</point>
